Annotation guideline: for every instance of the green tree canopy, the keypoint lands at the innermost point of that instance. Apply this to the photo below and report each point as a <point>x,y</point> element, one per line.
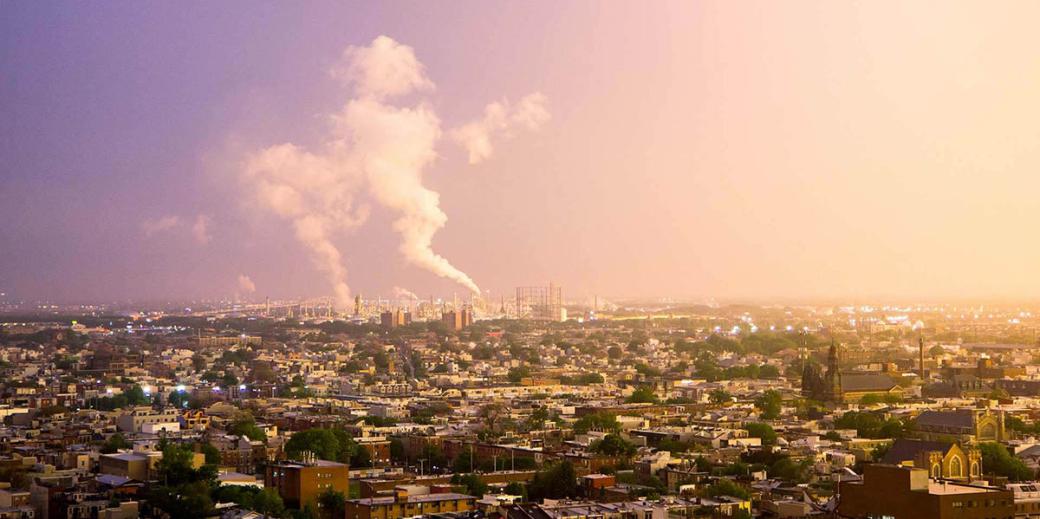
<point>328,444</point>
<point>245,425</point>
<point>597,422</point>
<point>997,460</point>
<point>769,403</point>
<point>613,445</point>
<point>643,395</point>
<point>763,431</point>
<point>557,481</point>
<point>726,487</point>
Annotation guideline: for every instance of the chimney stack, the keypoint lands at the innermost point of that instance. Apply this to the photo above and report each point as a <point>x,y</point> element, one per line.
<point>920,352</point>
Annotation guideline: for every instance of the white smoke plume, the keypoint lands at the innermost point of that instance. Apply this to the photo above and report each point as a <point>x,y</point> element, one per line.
<point>245,284</point>
<point>200,229</point>
<point>156,225</point>
<point>403,293</point>
<point>319,199</point>
<point>374,148</point>
<point>500,118</point>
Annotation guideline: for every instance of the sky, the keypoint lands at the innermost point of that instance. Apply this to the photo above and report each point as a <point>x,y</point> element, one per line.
<point>730,150</point>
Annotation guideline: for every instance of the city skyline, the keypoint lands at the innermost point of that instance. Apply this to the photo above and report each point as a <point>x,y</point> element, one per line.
<point>817,151</point>
<point>519,260</point>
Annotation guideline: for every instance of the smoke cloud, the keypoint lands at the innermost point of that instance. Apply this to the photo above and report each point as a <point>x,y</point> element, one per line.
<point>403,293</point>
<point>200,229</point>
<point>157,225</point>
<point>246,284</point>
<point>375,151</point>
<point>500,118</point>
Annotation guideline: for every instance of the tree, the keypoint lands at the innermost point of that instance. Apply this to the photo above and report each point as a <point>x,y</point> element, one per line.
<point>360,457</point>
<point>245,425</point>
<point>516,489</point>
<point>212,454</point>
<point>489,414</point>
<point>397,453</point>
<point>674,446</point>
<point>647,371</point>
<point>643,395</point>
<point>262,501</point>
<point>707,368</point>
<point>177,466</point>
<point>615,352</point>
<point>307,512</point>
<point>178,399</point>
<point>770,404</point>
<point>517,374</point>
<point>184,500</point>
<point>262,372</point>
<point>434,456</point>
<point>719,396</point>
<point>726,487</point>
<point>787,469</point>
<point>891,428</point>
<point>996,460</point>
<point>613,445</point>
<point>465,461</point>
<point>597,422</point>
<point>183,491</point>
<point>558,481</point>
<point>18,477</point>
<point>475,486</point>
<point>268,502</point>
<point>332,503</point>
<point>328,444</point>
<point>879,451</point>
<point>53,410</point>
<point>135,396</point>
<point>702,464</point>
<point>763,431</point>
<point>870,399</point>
<point>323,443</point>
<point>537,419</point>
<point>114,443</point>
<point>229,380</point>
<point>769,371</point>
<point>870,425</point>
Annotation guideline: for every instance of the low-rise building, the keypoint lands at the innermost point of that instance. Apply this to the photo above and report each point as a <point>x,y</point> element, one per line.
<point>300,483</point>
<point>910,494</point>
<point>401,505</point>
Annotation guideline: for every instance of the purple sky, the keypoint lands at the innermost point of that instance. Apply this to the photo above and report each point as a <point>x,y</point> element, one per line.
<point>726,149</point>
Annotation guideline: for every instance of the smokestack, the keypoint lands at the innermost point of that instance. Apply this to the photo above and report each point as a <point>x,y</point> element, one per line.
<point>920,353</point>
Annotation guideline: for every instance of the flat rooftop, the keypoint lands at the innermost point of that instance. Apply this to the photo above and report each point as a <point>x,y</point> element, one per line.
<point>941,488</point>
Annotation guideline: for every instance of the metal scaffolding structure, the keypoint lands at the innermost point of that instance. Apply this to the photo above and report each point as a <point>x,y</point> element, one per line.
<point>539,303</point>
